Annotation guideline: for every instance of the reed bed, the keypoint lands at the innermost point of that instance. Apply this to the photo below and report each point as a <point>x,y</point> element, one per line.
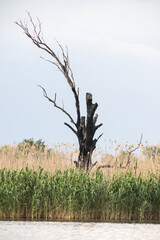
<point>17,156</point>
<point>50,188</point>
<point>30,194</point>
<point>62,156</point>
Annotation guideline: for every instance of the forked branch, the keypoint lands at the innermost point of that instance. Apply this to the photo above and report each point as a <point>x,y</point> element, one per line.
<point>133,150</point>
<point>55,104</point>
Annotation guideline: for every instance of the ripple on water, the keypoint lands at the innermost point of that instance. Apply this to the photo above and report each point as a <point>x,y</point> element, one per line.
<point>18,230</point>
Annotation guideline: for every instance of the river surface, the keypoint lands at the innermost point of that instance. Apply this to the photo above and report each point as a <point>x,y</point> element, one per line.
<point>23,230</point>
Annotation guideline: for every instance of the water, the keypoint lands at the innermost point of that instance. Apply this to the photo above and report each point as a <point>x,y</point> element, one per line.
<point>12,230</point>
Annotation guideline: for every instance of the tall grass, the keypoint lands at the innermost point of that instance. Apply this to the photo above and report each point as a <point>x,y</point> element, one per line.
<point>78,195</point>
<point>17,156</point>
<point>50,188</point>
<point>62,157</point>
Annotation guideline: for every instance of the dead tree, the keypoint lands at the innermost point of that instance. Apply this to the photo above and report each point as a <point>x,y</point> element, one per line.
<point>84,127</point>
<point>133,150</point>
<point>128,157</point>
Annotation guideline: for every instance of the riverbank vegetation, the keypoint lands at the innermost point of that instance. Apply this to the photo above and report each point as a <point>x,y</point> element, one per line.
<point>77,195</point>
<point>61,156</point>
<point>38,182</point>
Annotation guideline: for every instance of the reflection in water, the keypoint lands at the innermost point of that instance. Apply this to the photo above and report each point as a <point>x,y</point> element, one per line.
<point>12,230</point>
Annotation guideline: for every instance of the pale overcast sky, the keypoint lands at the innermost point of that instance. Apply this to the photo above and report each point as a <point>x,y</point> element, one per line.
<point>114,49</point>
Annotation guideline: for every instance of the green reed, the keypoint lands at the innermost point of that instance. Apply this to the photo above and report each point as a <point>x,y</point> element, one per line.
<point>78,195</point>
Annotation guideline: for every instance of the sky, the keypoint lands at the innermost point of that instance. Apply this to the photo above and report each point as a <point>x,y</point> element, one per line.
<point>114,51</point>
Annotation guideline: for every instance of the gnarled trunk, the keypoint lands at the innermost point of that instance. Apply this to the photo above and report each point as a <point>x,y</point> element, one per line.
<point>85,134</point>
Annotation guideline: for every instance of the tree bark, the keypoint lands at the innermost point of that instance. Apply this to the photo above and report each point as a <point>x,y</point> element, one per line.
<point>85,134</point>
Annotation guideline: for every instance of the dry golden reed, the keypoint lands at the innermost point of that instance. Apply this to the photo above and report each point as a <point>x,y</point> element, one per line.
<point>62,156</point>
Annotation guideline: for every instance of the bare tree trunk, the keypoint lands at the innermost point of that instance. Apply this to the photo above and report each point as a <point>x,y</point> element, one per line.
<point>85,135</point>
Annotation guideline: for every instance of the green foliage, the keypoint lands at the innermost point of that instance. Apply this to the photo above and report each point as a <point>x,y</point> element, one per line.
<point>31,194</point>
<point>28,143</point>
<point>136,196</point>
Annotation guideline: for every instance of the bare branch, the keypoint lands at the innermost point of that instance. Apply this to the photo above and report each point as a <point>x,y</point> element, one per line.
<point>105,166</point>
<point>128,160</point>
<point>71,128</point>
<point>94,164</point>
<point>54,63</point>
<point>98,126</point>
<point>64,66</point>
<point>55,105</point>
<point>134,149</point>
<point>139,144</point>
<point>99,136</point>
